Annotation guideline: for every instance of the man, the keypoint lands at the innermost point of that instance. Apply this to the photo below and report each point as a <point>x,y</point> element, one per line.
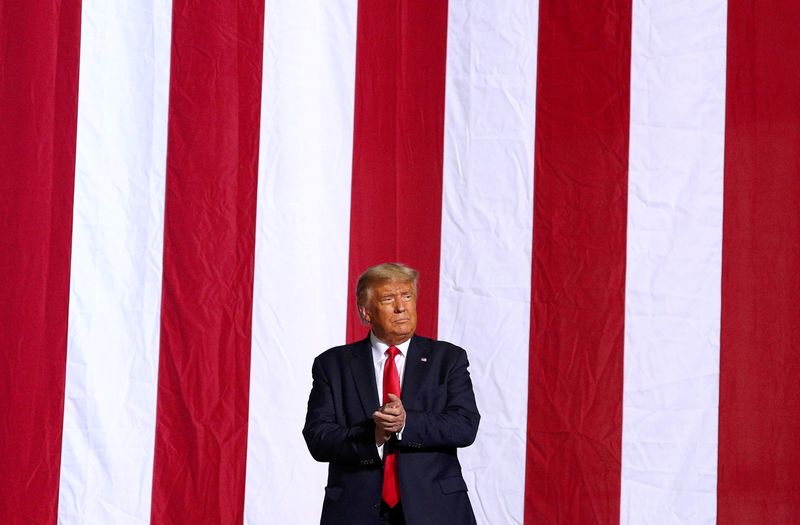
<point>388,412</point>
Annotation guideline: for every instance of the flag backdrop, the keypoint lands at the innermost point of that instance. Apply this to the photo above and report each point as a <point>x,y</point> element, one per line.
<point>603,199</point>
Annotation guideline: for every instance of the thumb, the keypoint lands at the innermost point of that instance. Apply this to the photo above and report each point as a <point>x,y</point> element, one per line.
<point>393,397</point>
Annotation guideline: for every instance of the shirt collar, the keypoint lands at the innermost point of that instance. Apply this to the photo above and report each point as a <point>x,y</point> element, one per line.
<point>379,347</point>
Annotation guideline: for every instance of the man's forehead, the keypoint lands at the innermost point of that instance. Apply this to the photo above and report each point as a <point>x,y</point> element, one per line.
<point>394,286</point>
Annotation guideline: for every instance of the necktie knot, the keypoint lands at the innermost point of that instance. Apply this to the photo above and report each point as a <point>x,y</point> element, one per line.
<point>392,352</point>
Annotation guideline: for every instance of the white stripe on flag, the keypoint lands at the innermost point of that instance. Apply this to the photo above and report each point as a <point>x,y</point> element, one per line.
<point>115,288</point>
<point>669,453</point>
<point>484,287</point>
<point>302,242</point>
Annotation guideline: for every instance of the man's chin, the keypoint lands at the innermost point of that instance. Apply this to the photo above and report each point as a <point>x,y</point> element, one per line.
<point>401,334</point>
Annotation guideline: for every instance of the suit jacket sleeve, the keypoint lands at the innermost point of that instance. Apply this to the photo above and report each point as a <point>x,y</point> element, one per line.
<point>457,424</point>
<point>328,438</point>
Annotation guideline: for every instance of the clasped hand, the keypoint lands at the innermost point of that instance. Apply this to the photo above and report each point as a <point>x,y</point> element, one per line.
<point>389,418</point>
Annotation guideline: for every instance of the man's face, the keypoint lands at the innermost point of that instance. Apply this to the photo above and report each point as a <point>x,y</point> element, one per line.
<point>391,311</point>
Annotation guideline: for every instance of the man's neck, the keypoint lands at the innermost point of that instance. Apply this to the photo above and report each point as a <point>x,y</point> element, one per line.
<point>402,343</point>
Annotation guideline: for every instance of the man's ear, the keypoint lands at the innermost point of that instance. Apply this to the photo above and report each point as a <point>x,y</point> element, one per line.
<point>364,314</point>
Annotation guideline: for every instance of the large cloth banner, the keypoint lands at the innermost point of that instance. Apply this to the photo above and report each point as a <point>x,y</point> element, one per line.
<point>603,200</point>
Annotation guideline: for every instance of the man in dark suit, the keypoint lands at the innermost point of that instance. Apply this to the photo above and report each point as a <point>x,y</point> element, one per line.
<point>392,459</point>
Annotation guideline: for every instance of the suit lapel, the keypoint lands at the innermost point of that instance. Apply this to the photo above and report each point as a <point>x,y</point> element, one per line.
<point>363,369</point>
<point>417,366</point>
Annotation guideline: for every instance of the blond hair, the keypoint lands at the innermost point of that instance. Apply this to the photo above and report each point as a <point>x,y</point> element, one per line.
<point>383,273</point>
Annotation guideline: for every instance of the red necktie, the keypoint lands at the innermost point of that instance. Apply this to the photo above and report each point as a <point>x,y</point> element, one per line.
<point>391,385</point>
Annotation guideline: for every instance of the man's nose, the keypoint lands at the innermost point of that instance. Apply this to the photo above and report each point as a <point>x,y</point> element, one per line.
<point>399,306</point>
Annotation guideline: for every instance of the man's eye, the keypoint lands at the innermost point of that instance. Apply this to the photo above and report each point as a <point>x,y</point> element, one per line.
<point>407,296</point>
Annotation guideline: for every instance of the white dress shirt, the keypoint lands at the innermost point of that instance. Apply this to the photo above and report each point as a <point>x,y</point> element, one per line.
<point>379,358</point>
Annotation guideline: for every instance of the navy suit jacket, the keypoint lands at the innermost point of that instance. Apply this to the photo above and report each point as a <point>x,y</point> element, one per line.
<point>441,416</point>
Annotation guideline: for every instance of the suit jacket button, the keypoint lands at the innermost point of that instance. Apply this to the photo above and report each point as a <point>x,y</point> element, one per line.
<point>376,506</point>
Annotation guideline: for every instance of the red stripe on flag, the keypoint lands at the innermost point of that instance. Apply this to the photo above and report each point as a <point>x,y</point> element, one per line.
<point>209,239</point>
<point>398,146</point>
<point>578,280</point>
<point>759,428</point>
<point>39,46</point>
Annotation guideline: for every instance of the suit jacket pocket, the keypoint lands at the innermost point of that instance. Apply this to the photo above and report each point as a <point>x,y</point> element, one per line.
<point>452,485</point>
<point>333,493</point>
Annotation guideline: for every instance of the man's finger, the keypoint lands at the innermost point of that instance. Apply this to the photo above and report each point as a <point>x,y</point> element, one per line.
<point>389,418</point>
<point>393,398</point>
